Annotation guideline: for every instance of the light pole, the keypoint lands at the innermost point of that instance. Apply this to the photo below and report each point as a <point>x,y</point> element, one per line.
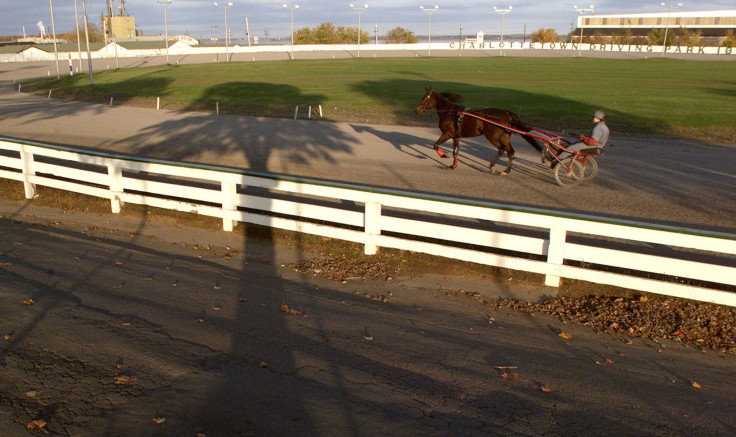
<point>79,44</point>
<point>503,13</point>
<point>667,25</point>
<point>165,3</point>
<point>292,9</point>
<point>360,9</point>
<point>582,11</point>
<point>86,37</point>
<point>429,29</point>
<point>112,32</point>
<point>53,33</point>
<point>227,35</point>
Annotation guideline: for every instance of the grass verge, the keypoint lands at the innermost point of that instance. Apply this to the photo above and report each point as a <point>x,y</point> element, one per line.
<point>662,97</point>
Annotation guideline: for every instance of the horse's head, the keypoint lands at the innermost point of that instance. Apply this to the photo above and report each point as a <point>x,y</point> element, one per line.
<point>428,101</point>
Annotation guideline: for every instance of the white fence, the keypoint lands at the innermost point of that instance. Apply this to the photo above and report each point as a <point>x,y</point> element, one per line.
<point>677,262</point>
<point>113,50</point>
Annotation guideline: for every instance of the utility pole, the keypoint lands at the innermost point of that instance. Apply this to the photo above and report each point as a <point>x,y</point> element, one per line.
<point>86,36</point>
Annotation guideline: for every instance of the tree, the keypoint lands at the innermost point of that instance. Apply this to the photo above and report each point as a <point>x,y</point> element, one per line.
<point>729,40</point>
<point>656,37</point>
<point>685,37</point>
<point>623,36</point>
<point>327,33</point>
<point>599,38</point>
<point>95,34</point>
<point>545,36</point>
<point>399,35</point>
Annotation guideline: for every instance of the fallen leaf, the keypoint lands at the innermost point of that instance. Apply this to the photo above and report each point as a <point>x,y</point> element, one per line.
<point>565,335</point>
<point>36,424</point>
<point>121,380</point>
<point>285,309</point>
<point>6,264</point>
<point>7,336</point>
<point>368,338</point>
<point>644,299</point>
<point>263,364</point>
<point>31,394</point>
<point>545,389</point>
<point>696,385</point>
<point>159,420</point>
<point>28,302</point>
<point>118,263</point>
<point>513,377</point>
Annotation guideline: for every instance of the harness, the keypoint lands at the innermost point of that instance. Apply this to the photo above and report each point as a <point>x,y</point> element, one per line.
<point>460,117</point>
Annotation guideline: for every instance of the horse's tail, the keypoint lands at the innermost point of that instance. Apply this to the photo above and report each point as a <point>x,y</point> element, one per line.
<point>516,123</point>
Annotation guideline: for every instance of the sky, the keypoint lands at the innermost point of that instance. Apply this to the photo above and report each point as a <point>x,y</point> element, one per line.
<point>197,17</point>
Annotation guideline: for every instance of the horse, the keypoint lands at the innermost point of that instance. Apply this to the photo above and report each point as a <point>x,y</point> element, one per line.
<point>454,125</point>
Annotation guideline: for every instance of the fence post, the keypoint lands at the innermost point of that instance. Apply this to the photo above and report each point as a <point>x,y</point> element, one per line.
<point>229,205</point>
<point>26,159</point>
<point>372,223</point>
<point>555,254</point>
<point>116,187</point>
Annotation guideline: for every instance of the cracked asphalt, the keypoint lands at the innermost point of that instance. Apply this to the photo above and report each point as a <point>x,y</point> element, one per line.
<point>132,325</point>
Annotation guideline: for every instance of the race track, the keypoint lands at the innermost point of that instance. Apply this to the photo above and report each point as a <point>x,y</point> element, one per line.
<point>675,182</point>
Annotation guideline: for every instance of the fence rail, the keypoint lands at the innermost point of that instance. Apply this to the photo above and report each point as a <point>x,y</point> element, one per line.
<point>678,262</point>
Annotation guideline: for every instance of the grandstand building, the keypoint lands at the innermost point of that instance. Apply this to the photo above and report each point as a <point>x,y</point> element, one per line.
<point>708,24</point>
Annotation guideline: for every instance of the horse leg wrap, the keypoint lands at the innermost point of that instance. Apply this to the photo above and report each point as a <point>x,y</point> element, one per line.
<point>454,165</point>
<point>441,153</point>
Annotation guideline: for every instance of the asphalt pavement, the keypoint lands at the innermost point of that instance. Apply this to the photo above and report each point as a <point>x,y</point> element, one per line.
<point>136,325</point>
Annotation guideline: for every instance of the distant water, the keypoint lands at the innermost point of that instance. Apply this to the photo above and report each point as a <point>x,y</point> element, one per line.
<point>421,40</point>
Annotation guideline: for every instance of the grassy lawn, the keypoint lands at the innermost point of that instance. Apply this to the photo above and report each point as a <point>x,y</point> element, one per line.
<point>690,99</point>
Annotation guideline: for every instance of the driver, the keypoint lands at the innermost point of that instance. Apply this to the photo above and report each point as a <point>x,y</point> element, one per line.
<point>598,137</point>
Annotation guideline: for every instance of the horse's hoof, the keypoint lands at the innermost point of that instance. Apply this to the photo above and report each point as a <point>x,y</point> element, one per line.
<point>504,173</point>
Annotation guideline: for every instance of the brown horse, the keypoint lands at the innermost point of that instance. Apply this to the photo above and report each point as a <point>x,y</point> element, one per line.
<point>456,126</point>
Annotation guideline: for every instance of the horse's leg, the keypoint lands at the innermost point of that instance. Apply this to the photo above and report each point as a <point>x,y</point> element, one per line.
<point>455,149</point>
<point>444,137</point>
<point>510,154</point>
<point>495,158</point>
<point>506,140</point>
<point>502,141</point>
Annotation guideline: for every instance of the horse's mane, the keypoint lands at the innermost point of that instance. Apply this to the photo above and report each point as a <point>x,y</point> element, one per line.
<point>452,97</point>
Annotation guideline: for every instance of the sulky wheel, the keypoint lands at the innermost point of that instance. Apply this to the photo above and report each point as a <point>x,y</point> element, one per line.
<point>590,168</point>
<point>569,179</point>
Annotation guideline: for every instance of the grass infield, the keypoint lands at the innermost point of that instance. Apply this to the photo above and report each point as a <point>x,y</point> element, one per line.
<point>660,97</point>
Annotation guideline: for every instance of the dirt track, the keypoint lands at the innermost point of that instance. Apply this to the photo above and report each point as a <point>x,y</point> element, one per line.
<point>684,183</point>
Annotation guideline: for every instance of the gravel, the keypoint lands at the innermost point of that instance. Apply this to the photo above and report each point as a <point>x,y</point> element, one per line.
<point>703,325</point>
<point>698,324</point>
